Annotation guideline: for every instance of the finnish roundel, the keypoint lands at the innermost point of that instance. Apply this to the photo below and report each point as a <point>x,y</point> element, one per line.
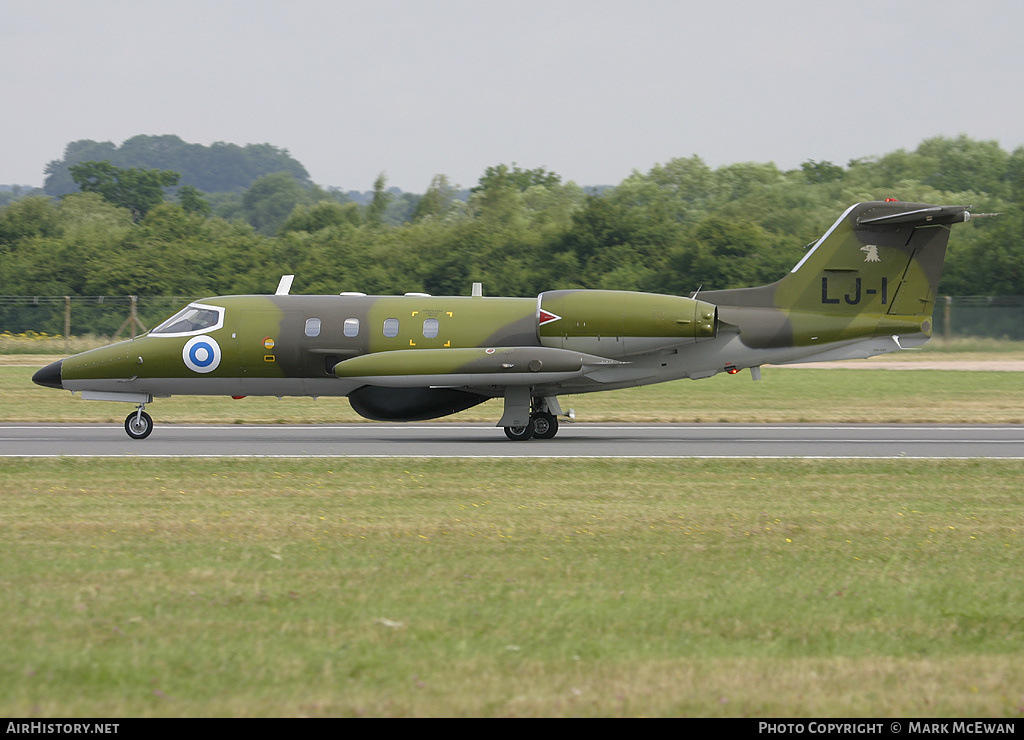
<point>201,354</point>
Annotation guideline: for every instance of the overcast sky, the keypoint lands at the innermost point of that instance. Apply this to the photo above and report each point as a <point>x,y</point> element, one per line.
<point>590,89</point>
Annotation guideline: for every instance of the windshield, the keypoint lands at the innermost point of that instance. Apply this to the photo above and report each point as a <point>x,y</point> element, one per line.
<point>193,319</point>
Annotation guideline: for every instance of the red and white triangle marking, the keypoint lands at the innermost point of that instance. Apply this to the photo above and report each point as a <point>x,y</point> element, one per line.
<point>546,317</point>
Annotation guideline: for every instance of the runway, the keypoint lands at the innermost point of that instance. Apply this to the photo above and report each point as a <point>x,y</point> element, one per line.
<point>446,440</point>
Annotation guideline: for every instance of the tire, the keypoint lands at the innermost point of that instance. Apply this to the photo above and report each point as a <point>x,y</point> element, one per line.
<point>545,426</point>
<point>138,426</point>
<point>519,434</point>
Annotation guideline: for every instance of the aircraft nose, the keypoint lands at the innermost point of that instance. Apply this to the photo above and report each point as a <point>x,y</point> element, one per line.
<point>49,376</point>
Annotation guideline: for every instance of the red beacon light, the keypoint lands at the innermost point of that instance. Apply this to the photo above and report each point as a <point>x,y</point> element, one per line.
<point>731,369</point>
<point>892,200</point>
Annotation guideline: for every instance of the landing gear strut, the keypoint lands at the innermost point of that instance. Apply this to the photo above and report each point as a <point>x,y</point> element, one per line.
<point>139,424</point>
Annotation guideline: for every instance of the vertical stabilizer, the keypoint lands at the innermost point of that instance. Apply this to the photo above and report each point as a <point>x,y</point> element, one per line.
<point>882,257</point>
<point>875,272</point>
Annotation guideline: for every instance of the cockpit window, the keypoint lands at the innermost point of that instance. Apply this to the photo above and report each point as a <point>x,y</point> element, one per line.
<point>195,318</point>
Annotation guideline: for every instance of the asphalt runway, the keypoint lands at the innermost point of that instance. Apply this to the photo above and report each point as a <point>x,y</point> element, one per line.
<point>482,440</point>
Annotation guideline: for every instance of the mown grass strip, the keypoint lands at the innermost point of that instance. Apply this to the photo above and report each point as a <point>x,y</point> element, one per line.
<point>511,588</point>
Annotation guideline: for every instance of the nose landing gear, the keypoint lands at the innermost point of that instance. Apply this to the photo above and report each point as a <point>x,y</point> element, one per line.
<point>139,424</point>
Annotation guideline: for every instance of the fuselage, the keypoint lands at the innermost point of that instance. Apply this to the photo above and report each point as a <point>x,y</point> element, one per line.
<point>290,345</point>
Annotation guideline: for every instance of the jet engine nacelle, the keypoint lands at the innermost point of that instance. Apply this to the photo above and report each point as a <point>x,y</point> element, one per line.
<point>613,323</point>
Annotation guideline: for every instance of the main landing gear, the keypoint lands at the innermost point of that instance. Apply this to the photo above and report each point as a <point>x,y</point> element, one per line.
<point>543,424</point>
<point>139,424</point>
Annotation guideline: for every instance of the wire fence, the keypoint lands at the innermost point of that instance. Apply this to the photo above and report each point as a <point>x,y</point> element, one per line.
<point>996,317</point>
<point>107,316</point>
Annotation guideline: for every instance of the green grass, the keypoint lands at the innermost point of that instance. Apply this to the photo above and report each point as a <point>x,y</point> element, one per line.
<point>967,345</point>
<point>511,588</point>
<point>32,343</point>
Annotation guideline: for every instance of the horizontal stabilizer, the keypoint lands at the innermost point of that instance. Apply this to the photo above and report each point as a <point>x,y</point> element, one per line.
<point>922,216</point>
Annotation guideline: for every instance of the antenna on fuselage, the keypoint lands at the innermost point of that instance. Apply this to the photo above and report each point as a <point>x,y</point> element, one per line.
<point>285,286</point>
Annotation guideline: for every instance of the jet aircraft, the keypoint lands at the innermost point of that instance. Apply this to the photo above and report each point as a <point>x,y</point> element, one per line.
<point>866,287</point>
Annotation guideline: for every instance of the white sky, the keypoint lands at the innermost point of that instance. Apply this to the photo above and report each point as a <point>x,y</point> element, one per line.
<point>591,89</point>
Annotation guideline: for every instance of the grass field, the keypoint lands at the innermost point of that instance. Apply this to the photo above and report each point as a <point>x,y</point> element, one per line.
<point>511,588</point>
<point>764,588</point>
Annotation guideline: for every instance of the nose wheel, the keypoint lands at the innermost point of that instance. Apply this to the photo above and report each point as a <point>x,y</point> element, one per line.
<point>139,424</point>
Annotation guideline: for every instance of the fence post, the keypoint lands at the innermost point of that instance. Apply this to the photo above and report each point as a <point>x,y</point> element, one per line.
<point>947,318</point>
<point>67,325</point>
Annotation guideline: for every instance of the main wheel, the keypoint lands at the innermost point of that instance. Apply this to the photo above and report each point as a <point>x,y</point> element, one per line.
<point>545,425</point>
<point>519,434</point>
<point>138,425</point>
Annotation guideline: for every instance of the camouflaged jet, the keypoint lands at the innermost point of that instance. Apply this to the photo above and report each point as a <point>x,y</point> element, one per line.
<point>868,286</point>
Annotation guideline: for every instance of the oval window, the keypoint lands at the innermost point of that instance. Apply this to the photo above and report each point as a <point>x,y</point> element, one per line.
<point>391,327</point>
<point>351,327</point>
<point>430,328</point>
<point>312,327</point>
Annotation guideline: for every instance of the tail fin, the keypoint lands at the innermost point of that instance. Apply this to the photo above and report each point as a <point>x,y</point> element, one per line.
<point>881,257</point>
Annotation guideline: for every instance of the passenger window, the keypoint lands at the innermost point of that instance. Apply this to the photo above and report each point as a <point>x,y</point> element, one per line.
<point>430,328</point>
<point>391,327</point>
<point>351,327</point>
<point>312,327</point>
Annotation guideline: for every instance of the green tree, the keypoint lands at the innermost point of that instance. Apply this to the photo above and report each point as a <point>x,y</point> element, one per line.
<point>381,198</point>
<point>962,164</point>
<point>504,176</point>
<point>437,201</point>
<point>134,189</point>
<point>271,199</point>
<point>58,172</point>
<point>322,215</point>
<point>818,173</point>
<point>27,218</point>
<point>217,168</point>
<point>192,201</point>
<point>723,254</point>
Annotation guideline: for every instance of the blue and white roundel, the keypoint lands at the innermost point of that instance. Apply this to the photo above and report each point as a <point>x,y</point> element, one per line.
<point>201,354</point>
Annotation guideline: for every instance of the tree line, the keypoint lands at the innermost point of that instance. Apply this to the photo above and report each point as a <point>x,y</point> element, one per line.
<point>220,167</point>
<point>676,228</point>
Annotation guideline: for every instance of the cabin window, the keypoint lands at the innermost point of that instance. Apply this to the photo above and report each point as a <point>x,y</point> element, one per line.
<point>312,327</point>
<point>430,328</point>
<point>391,327</point>
<point>351,327</point>
<point>196,318</point>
